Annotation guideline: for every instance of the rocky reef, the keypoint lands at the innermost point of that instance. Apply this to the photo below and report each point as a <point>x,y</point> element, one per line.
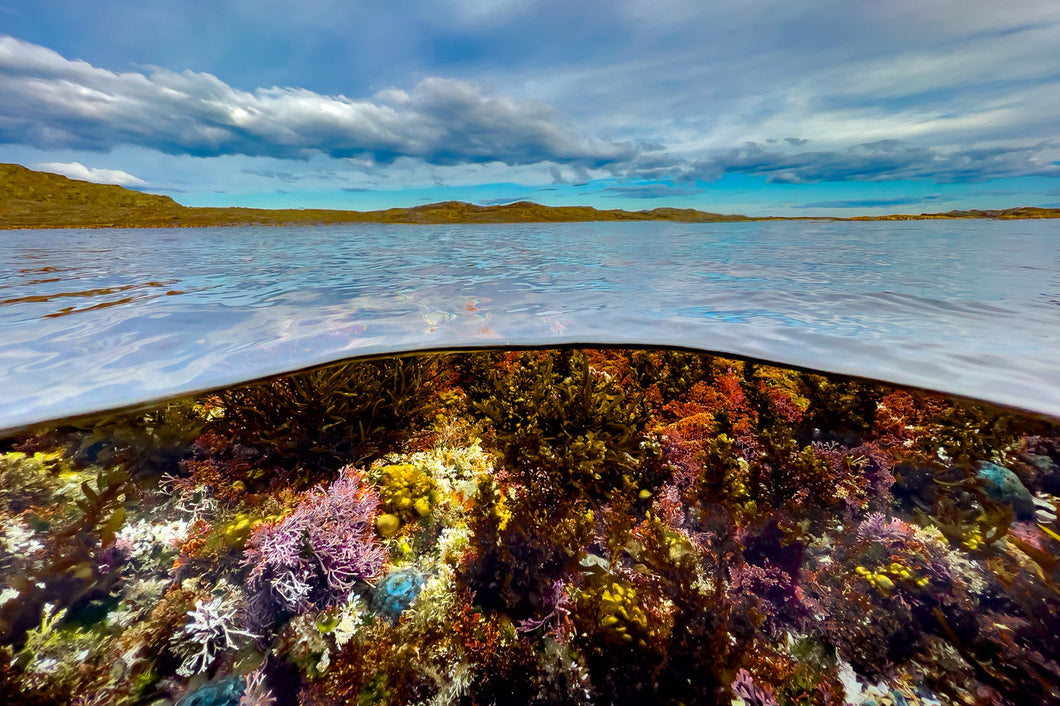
<point>538,527</point>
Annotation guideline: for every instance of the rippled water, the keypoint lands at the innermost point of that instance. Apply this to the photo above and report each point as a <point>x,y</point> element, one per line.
<point>99,319</point>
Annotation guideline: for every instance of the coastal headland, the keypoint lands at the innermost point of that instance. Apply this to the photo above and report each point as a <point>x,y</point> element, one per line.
<point>32,199</point>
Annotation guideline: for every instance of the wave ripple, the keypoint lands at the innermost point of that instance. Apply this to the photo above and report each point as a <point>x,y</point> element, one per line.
<point>99,319</point>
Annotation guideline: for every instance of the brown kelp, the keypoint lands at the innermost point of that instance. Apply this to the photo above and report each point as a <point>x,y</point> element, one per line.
<point>339,414</point>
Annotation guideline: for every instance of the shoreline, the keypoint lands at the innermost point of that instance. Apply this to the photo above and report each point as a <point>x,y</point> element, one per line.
<point>346,218</point>
<point>31,200</point>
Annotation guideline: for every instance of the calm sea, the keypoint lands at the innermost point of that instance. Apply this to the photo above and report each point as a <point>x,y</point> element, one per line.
<point>98,319</point>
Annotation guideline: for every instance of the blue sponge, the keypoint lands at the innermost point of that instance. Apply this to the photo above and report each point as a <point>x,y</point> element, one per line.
<point>394,594</point>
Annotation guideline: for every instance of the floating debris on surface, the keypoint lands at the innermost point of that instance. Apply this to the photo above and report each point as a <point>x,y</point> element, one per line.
<point>557,526</point>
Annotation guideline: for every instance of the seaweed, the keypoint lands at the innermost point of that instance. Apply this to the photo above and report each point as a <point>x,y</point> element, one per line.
<point>69,573</point>
<point>318,553</point>
<point>570,440</point>
<point>564,430</point>
<point>322,419</point>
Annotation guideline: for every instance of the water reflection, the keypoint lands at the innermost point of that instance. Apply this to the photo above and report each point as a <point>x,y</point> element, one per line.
<point>130,315</point>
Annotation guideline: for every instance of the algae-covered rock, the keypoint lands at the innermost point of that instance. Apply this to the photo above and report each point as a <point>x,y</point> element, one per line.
<point>1046,470</point>
<point>1005,486</point>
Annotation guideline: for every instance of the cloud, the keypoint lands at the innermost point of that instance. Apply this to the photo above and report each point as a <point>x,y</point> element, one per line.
<point>76,170</point>
<point>52,102</point>
<point>680,91</point>
<point>287,177</point>
<point>648,191</point>
<point>502,201</point>
<point>486,12</point>
<point>576,175</point>
<point>876,203</point>
<point>835,73</point>
<point>885,160</point>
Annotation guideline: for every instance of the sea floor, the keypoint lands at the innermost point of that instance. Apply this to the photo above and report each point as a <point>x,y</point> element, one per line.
<point>542,527</point>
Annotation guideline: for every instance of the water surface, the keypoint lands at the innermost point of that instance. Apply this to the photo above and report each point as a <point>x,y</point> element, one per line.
<point>98,319</point>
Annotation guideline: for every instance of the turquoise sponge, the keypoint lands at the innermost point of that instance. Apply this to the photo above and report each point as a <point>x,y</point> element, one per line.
<point>394,594</point>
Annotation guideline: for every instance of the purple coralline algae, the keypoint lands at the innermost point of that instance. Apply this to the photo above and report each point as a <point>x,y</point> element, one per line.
<point>318,553</point>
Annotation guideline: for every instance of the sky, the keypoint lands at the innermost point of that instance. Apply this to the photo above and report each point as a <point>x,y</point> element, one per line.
<point>770,107</point>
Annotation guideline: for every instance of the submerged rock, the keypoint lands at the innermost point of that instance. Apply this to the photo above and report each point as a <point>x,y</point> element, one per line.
<point>1005,486</point>
<point>916,483</point>
<point>1047,470</point>
<point>220,692</point>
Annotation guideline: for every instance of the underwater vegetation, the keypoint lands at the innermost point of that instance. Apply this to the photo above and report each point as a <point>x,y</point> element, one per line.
<point>541,527</point>
<point>343,414</point>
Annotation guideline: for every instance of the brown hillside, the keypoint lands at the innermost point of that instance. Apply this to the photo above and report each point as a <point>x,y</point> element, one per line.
<point>39,199</point>
<point>30,199</point>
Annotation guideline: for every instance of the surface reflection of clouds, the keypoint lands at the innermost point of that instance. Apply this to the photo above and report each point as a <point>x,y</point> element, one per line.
<point>900,305</point>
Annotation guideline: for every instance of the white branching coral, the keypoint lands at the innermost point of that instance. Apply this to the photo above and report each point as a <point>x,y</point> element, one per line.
<point>196,502</point>
<point>211,629</point>
<point>455,685</point>
<point>351,617</point>
<point>451,544</point>
<point>432,608</point>
<point>256,693</point>
<point>138,599</point>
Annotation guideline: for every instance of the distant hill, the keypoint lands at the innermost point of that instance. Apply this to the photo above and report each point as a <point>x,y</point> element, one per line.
<point>1022,212</point>
<point>38,199</point>
<point>30,199</point>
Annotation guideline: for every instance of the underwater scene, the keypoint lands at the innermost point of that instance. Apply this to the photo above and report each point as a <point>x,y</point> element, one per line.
<point>549,526</point>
